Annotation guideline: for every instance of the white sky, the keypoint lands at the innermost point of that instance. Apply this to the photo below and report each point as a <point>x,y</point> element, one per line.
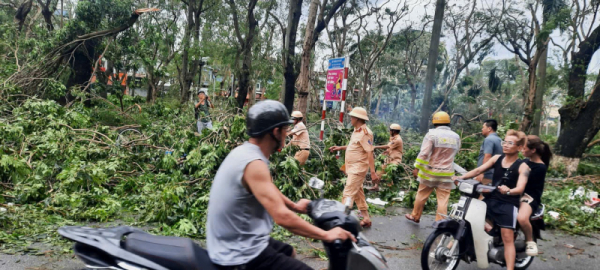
<point>423,7</point>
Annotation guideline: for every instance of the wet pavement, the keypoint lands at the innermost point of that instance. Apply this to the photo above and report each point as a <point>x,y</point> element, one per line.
<point>399,240</point>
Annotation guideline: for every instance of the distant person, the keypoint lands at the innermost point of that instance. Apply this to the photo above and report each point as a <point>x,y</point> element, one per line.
<point>434,167</point>
<point>492,145</point>
<point>393,150</point>
<point>202,112</point>
<point>539,155</point>
<point>300,138</point>
<point>359,159</point>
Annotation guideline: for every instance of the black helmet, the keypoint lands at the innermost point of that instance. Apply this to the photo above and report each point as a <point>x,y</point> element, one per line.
<point>266,115</point>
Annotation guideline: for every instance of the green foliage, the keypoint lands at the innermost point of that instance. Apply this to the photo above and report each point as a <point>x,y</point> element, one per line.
<point>572,218</point>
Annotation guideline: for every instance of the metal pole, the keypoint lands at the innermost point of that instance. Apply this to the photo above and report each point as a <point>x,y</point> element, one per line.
<point>323,116</point>
<point>344,86</point>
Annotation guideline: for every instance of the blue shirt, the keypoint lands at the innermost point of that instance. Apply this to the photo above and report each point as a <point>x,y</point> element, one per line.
<point>491,145</point>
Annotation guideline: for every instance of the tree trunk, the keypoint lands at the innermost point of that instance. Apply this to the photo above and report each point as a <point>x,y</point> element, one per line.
<point>47,13</point>
<point>306,55</point>
<point>523,80</point>
<point>580,122</point>
<point>185,79</point>
<point>378,100</point>
<point>580,119</point>
<point>431,63</point>
<point>82,64</point>
<point>539,95</point>
<point>530,98</point>
<point>289,62</point>
<point>413,96</point>
<point>22,13</point>
<point>247,54</point>
<point>365,90</point>
<point>152,89</point>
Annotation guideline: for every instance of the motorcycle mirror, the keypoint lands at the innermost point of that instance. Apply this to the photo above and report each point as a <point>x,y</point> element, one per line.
<point>316,183</point>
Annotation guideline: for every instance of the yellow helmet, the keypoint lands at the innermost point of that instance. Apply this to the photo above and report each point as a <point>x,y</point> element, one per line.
<point>359,113</point>
<point>395,127</point>
<point>297,114</point>
<point>441,118</point>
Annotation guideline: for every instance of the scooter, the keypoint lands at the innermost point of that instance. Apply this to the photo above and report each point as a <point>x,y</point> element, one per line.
<point>127,248</point>
<point>462,235</point>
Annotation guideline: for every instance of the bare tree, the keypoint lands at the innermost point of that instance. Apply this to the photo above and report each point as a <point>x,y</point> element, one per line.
<point>550,8</point>
<point>191,62</point>
<point>414,47</point>
<point>525,37</point>
<point>471,29</point>
<point>311,37</point>
<point>245,44</point>
<point>371,43</point>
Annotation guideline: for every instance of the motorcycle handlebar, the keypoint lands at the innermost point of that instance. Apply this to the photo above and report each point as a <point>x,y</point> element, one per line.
<point>481,188</point>
<point>485,189</point>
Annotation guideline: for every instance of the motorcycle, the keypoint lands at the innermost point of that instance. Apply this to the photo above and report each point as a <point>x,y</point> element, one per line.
<point>462,235</point>
<point>127,248</point>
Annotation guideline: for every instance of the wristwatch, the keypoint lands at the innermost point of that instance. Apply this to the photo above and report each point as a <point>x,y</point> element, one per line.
<point>508,192</point>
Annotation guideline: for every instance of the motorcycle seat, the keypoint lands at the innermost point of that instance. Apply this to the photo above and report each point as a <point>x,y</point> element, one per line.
<point>170,252</point>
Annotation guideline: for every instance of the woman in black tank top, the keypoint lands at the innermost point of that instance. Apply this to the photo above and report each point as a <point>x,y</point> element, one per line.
<point>510,178</point>
<point>505,177</point>
<point>539,155</point>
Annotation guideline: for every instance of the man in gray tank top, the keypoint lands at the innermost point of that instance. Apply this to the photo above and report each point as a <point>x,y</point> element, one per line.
<point>244,202</point>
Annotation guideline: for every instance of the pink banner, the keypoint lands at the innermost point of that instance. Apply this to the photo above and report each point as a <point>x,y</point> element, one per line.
<point>333,91</point>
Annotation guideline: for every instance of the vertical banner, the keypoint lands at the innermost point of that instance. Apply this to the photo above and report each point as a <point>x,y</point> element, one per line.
<point>337,75</point>
<point>335,81</point>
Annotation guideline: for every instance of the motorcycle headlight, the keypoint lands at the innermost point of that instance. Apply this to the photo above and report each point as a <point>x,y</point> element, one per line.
<point>466,188</point>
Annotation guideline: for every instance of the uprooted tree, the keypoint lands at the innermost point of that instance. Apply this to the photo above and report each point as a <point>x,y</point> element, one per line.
<point>77,55</point>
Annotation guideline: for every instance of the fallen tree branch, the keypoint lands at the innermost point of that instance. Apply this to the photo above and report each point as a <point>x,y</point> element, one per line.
<point>87,130</point>
<point>593,143</point>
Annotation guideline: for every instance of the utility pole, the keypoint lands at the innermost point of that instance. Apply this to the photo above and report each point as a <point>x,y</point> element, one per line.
<point>431,63</point>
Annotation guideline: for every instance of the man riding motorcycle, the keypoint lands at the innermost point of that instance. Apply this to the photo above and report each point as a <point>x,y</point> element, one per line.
<point>510,178</point>
<point>244,202</point>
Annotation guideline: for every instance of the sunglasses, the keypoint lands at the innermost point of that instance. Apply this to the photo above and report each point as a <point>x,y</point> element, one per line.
<point>508,143</point>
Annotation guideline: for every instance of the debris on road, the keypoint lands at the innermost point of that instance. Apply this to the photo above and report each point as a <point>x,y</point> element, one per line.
<point>377,201</point>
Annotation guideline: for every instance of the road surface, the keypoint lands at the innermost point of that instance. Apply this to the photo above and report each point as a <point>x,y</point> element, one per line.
<point>398,239</point>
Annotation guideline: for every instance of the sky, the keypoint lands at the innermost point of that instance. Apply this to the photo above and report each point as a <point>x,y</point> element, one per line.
<point>418,8</point>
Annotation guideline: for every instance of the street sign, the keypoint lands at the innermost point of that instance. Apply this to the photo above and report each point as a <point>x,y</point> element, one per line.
<point>337,63</point>
<point>333,91</point>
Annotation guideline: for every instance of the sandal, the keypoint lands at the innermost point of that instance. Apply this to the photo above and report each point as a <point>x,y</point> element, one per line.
<point>411,218</point>
<point>366,224</point>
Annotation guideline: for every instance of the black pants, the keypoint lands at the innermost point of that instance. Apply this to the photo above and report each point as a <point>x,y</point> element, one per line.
<point>277,255</point>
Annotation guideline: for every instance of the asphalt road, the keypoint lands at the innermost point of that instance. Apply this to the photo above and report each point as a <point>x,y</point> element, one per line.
<point>398,239</point>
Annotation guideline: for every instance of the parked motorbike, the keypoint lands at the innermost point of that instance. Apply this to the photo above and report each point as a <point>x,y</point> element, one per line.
<point>462,235</point>
<point>127,248</point>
